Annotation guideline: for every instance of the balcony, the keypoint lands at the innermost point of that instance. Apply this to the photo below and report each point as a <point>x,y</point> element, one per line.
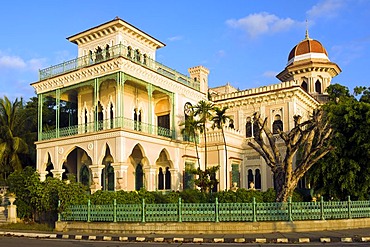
<point>114,52</point>
<point>125,123</point>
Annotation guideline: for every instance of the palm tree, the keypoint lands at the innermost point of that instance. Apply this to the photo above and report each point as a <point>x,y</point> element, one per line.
<point>11,146</point>
<point>203,110</point>
<point>219,120</point>
<point>190,130</point>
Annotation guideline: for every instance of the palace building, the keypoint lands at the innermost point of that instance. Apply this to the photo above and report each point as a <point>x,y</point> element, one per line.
<point>118,113</point>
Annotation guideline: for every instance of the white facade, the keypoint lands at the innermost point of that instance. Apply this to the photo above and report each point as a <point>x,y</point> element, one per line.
<point>119,112</point>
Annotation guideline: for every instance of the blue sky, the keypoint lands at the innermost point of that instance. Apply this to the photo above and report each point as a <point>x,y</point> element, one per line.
<point>244,42</point>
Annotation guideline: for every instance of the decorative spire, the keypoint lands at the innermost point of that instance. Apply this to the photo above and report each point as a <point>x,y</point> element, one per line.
<point>307,36</point>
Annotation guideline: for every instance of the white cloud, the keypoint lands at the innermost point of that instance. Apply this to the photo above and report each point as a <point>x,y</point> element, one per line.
<point>262,23</point>
<point>270,74</point>
<point>36,63</point>
<point>12,62</point>
<point>220,53</point>
<point>325,8</point>
<point>175,38</point>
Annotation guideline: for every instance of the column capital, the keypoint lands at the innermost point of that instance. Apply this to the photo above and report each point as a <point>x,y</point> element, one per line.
<point>58,173</point>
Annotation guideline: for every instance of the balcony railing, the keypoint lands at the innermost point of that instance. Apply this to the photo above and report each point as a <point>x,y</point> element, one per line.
<point>124,123</point>
<point>113,52</point>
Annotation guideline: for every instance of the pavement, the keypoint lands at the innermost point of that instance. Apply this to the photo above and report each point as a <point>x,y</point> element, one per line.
<point>343,236</point>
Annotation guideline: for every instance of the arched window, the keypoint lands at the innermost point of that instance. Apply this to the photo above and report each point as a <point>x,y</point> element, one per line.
<point>248,128</point>
<point>90,57</point>
<point>318,87</point>
<point>257,184</point>
<point>99,55</point>
<point>277,125</point>
<point>99,109</point>
<point>160,179</point>
<point>168,179</point>
<point>137,55</point>
<point>86,119</point>
<point>85,175</point>
<point>107,54</point>
<point>304,86</point>
<point>188,176</point>
<point>231,124</point>
<point>139,177</point>
<point>111,116</point>
<point>214,180</point>
<point>108,177</point>
<point>145,58</point>
<point>250,178</point>
<point>129,52</point>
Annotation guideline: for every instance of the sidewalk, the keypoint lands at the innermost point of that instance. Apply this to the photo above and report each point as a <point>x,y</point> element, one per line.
<point>351,235</point>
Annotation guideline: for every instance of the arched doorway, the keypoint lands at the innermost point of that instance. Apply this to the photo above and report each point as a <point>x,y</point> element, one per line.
<point>135,173</point>
<point>107,176</point>
<point>77,165</point>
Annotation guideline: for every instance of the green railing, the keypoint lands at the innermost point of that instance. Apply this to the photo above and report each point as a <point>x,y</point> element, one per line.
<point>124,123</point>
<point>114,52</point>
<point>217,212</point>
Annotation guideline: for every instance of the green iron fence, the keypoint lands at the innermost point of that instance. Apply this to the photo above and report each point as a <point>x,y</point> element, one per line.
<point>217,212</point>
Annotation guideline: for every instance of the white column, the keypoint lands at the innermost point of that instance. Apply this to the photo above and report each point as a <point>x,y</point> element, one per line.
<point>150,174</point>
<point>120,171</point>
<point>96,177</point>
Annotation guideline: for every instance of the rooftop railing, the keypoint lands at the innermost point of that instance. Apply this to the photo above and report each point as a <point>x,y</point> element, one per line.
<point>114,52</point>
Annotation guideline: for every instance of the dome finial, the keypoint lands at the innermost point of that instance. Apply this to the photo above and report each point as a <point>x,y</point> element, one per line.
<point>307,36</point>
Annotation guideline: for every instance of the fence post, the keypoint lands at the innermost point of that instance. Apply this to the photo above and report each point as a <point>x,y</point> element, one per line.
<point>254,209</point>
<point>290,208</point>
<point>114,210</point>
<point>322,208</point>
<point>59,210</point>
<point>349,208</point>
<point>143,211</point>
<point>216,209</point>
<point>88,210</point>
<point>179,210</point>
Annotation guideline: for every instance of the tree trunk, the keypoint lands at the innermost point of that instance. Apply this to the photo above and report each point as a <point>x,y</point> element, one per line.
<point>286,190</point>
<point>226,172</point>
<point>279,182</point>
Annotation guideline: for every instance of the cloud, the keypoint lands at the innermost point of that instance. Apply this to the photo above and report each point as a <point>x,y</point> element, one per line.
<point>12,62</point>
<point>175,38</point>
<point>262,23</point>
<point>270,74</point>
<point>220,53</point>
<point>325,8</point>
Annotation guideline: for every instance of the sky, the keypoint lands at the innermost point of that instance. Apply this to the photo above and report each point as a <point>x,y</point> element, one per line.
<point>242,42</point>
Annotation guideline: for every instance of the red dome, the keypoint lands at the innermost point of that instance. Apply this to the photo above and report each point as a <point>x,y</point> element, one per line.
<point>307,46</point>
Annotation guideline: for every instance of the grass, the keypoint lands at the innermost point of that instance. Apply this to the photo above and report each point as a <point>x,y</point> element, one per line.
<point>27,226</point>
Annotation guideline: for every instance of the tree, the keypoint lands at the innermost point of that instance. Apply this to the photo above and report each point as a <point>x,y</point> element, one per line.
<point>204,179</point>
<point>311,137</point>
<point>219,120</point>
<point>11,144</point>
<point>190,130</point>
<point>345,170</point>
<point>204,110</point>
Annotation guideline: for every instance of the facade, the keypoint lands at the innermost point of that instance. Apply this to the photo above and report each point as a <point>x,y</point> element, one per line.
<point>118,113</point>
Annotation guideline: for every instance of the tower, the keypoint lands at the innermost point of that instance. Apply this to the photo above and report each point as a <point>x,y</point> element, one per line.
<point>200,74</point>
<point>309,65</point>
